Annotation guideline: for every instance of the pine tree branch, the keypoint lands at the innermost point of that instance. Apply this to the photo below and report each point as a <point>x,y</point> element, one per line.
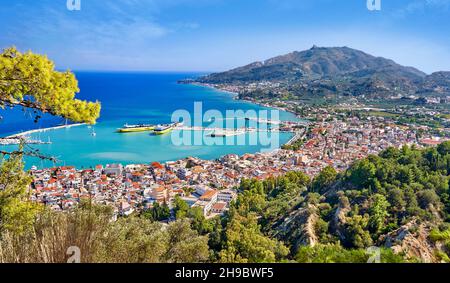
<point>28,104</point>
<point>30,154</point>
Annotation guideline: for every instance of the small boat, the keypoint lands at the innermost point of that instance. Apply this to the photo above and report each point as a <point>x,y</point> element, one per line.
<point>136,128</point>
<point>93,133</point>
<point>218,134</point>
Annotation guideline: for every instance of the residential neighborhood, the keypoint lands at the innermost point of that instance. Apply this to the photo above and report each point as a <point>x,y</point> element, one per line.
<point>331,140</point>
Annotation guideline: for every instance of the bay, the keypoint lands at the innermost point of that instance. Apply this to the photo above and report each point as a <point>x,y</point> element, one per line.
<point>133,98</point>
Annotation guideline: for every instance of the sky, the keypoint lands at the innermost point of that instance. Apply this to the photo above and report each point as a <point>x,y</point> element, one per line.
<point>216,35</point>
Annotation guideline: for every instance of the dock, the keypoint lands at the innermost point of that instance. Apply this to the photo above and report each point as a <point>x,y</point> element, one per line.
<point>221,132</point>
<point>216,132</point>
<point>43,130</point>
<point>298,135</point>
<point>264,121</point>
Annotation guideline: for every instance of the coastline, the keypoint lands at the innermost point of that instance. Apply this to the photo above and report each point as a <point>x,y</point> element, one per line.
<point>235,96</point>
<point>239,152</point>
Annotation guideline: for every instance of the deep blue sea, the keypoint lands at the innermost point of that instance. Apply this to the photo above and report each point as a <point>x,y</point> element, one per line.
<point>132,98</point>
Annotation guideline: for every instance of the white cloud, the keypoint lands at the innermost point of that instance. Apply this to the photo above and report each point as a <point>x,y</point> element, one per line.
<point>136,34</point>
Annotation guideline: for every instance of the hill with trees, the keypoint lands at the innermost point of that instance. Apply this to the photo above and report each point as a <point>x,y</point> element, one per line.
<point>332,71</point>
<point>398,201</point>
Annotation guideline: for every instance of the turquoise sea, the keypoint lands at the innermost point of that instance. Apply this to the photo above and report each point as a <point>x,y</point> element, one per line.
<point>132,98</point>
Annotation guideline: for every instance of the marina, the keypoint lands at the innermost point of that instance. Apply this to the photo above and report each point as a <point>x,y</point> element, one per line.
<point>23,139</point>
<point>227,132</point>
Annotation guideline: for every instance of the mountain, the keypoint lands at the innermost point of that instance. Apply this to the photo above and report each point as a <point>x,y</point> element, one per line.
<point>342,70</point>
<point>438,82</point>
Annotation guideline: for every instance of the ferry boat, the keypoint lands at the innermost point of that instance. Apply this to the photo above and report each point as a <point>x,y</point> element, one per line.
<point>136,128</point>
<point>166,128</point>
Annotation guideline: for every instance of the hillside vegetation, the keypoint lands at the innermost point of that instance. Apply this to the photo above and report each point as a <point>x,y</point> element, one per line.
<point>397,201</point>
<point>331,71</point>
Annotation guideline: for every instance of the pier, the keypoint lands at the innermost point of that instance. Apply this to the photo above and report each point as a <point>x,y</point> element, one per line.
<point>24,139</point>
<point>222,132</point>
<point>218,132</point>
<point>298,135</point>
<point>16,139</point>
<point>43,130</point>
<point>294,138</point>
<point>259,121</point>
<point>264,121</point>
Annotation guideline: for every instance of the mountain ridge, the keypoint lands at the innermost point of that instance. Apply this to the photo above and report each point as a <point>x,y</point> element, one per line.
<point>341,70</point>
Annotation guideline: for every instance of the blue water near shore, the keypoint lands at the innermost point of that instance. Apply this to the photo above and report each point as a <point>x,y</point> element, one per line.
<point>132,98</point>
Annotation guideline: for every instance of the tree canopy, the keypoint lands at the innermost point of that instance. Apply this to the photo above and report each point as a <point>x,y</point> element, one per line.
<point>31,81</point>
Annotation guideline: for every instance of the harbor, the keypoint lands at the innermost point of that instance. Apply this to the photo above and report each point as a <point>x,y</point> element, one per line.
<point>22,140</point>
<point>215,132</point>
<point>82,146</point>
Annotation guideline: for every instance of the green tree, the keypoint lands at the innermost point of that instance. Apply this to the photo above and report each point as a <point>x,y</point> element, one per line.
<point>444,148</point>
<point>157,212</point>
<point>397,199</point>
<point>378,213</point>
<point>181,208</point>
<point>132,240</point>
<point>427,198</point>
<point>405,175</point>
<point>361,174</point>
<point>246,244</point>
<point>337,254</point>
<point>30,80</point>
<point>252,199</point>
<point>17,212</point>
<point>185,245</point>
<point>198,221</point>
<point>325,179</point>
<point>357,235</point>
<point>391,152</point>
<point>217,235</point>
